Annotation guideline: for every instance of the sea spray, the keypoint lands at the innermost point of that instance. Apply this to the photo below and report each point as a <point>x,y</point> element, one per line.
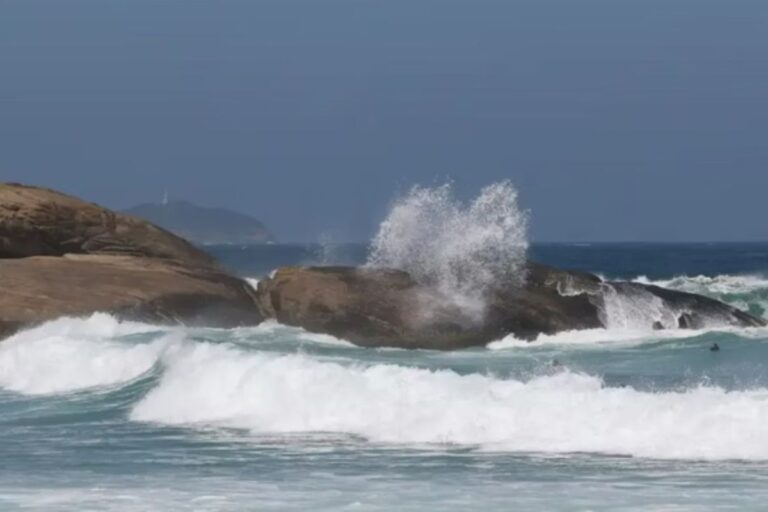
<point>459,250</point>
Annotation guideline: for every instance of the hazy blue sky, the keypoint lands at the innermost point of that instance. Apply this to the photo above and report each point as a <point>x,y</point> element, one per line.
<point>617,119</point>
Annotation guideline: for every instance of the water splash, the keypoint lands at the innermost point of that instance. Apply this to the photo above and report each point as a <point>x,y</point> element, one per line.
<point>460,250</point>
<point>629,307</point>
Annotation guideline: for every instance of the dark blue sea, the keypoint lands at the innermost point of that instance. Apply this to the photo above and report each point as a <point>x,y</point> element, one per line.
<point>97,414</point>
<point>614,260</point>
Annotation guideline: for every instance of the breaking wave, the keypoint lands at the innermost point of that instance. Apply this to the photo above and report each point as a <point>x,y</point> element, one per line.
<point>214,386</point>
<point>74,354</point>
<point>336,389</point>
<point>240,383</point>
<point>746,292</point>
<point>586,337</point>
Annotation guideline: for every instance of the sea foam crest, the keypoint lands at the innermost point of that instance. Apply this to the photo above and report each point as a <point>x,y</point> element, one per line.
<point>217,386</point>
<point>72,354</point>
<point>459,249</point>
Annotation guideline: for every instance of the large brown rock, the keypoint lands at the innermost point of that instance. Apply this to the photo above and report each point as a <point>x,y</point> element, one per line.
<point>367,307</point>
<point>41,288</point>
<point>41,222</point>
<point>377,307</point>
<point>60,256</point>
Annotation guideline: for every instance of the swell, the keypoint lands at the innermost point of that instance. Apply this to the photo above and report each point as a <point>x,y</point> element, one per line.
<point>279,380</point>
<point>186,378</point>
<point>561,412</point>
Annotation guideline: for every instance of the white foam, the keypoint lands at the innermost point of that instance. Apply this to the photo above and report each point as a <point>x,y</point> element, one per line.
<point>621,337</point>
<point>208,385</point>
<point>325,339</point>
<point>617,336</point>
<point>254,282</point>
<point>71,354</point>
<point>721,284</point>
<point>269,326</point>
<point>459,249</point>
<point>269,329</point>
<point>746,292</point>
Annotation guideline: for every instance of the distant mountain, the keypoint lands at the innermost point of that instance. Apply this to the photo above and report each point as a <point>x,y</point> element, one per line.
<point>204,225</point>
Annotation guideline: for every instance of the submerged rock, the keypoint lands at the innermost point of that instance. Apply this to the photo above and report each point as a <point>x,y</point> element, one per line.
<point>379,307</point>
<point>60,256</point>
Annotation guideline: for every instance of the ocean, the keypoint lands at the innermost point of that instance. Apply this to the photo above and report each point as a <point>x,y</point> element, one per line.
<point>97,414</point>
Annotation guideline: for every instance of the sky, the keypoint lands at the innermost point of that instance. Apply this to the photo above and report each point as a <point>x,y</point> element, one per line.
<point>618,120</point>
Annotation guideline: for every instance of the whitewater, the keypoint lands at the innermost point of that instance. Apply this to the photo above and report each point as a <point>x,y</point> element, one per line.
<point>279,380</point>
<point>124,416</point>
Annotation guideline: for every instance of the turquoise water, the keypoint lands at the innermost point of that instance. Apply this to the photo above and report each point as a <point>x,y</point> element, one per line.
<point>101,415</point>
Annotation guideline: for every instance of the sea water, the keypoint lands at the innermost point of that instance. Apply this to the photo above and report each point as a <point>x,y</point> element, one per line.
<point>97,414</point>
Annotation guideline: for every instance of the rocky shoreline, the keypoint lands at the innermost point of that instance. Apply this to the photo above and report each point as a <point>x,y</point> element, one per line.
<point>386,308</point>
<point>60,256</point>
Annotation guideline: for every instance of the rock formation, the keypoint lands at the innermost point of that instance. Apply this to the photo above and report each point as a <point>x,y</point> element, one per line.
<point>62,256</point>
<point>375,307</point>
<point>41,222</point>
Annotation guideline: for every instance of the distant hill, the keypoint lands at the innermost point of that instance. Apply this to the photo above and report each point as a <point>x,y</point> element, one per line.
<point>204,225</point>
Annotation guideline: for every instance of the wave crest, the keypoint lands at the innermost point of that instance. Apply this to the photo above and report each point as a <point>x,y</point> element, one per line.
<point>208,385</point>
<point>73,354</point>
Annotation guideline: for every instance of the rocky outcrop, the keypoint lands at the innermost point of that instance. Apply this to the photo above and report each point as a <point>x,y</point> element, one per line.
<point>41,222</point>
<point>652,306</point>
<point>60,256</point>
<point>376,307</point>
<point>367,307</point>
<point>42,288</point>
